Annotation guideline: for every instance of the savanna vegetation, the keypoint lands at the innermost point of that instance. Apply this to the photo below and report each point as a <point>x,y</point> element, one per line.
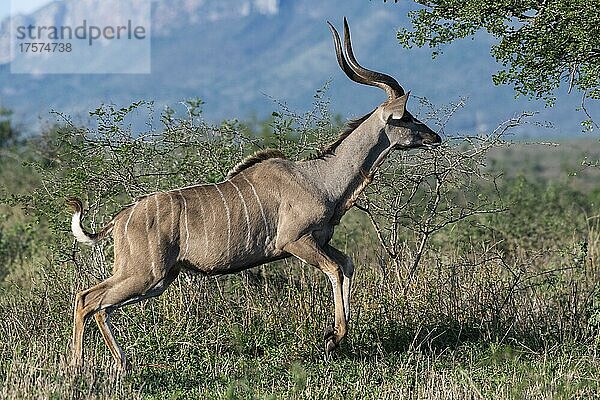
<point>478,268</point>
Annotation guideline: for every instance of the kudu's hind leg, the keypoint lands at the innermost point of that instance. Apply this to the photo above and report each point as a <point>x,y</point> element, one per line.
<point>102,320</point>
<point>107,296</point>
<point>81,312</point>
<point>108,293</point>
<point>310,252</point>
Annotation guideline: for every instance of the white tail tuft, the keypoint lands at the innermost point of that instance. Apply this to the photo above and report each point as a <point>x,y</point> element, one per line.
<point>78,231</point>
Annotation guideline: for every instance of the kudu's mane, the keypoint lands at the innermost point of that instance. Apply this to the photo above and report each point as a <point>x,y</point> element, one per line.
<point>253,159</point>
<point>350,127</point>
<point>266,154</point>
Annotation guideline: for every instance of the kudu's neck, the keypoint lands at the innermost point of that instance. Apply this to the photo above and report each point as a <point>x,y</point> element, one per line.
<point>345,174</point>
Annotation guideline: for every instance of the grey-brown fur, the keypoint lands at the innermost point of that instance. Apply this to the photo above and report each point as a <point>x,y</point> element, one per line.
<point>255,158</point>
<point>269,208</point>
<point>350,127</point>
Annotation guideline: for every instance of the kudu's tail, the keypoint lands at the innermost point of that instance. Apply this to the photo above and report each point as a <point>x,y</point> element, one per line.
<point>79,232</point>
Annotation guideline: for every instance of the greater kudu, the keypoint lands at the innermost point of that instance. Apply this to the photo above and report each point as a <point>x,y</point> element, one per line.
<point>267,209</point>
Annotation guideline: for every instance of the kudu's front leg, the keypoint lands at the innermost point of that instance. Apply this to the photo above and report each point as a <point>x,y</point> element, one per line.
<point>347,271</point>
<point>307,250</point>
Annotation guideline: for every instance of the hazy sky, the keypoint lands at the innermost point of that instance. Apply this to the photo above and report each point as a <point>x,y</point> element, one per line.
<point>20,6</point>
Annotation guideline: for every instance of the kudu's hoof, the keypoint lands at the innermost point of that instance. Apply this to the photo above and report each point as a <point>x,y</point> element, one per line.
<point>123,367</point>
<point>331,341</point>
<point>330,345</point>
<point>329,332</point>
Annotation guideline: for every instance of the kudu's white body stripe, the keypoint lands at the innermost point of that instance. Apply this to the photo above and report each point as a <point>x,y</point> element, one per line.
<point>129,218</point>
<point>172,215</point>
<point>147,223</point>
<point>127,225</point>
<point>262,210</point>
<point>245,214</point>
<point>187,230</point>
<point>228,219</point>
<point>202,219</point>
<point>157,222</point>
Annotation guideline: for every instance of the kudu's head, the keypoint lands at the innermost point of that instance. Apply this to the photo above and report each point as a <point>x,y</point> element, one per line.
<point>402,129</point>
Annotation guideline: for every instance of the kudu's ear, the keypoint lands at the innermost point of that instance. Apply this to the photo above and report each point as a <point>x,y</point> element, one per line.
<point>394,108</point>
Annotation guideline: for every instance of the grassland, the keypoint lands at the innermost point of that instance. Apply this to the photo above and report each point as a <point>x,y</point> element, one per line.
<point>503,306</point>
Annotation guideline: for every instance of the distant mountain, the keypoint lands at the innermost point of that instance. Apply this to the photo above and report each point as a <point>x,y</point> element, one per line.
<point>235,54</point>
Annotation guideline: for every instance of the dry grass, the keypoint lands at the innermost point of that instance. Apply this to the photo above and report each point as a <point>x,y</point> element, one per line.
<point>474,324</point>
